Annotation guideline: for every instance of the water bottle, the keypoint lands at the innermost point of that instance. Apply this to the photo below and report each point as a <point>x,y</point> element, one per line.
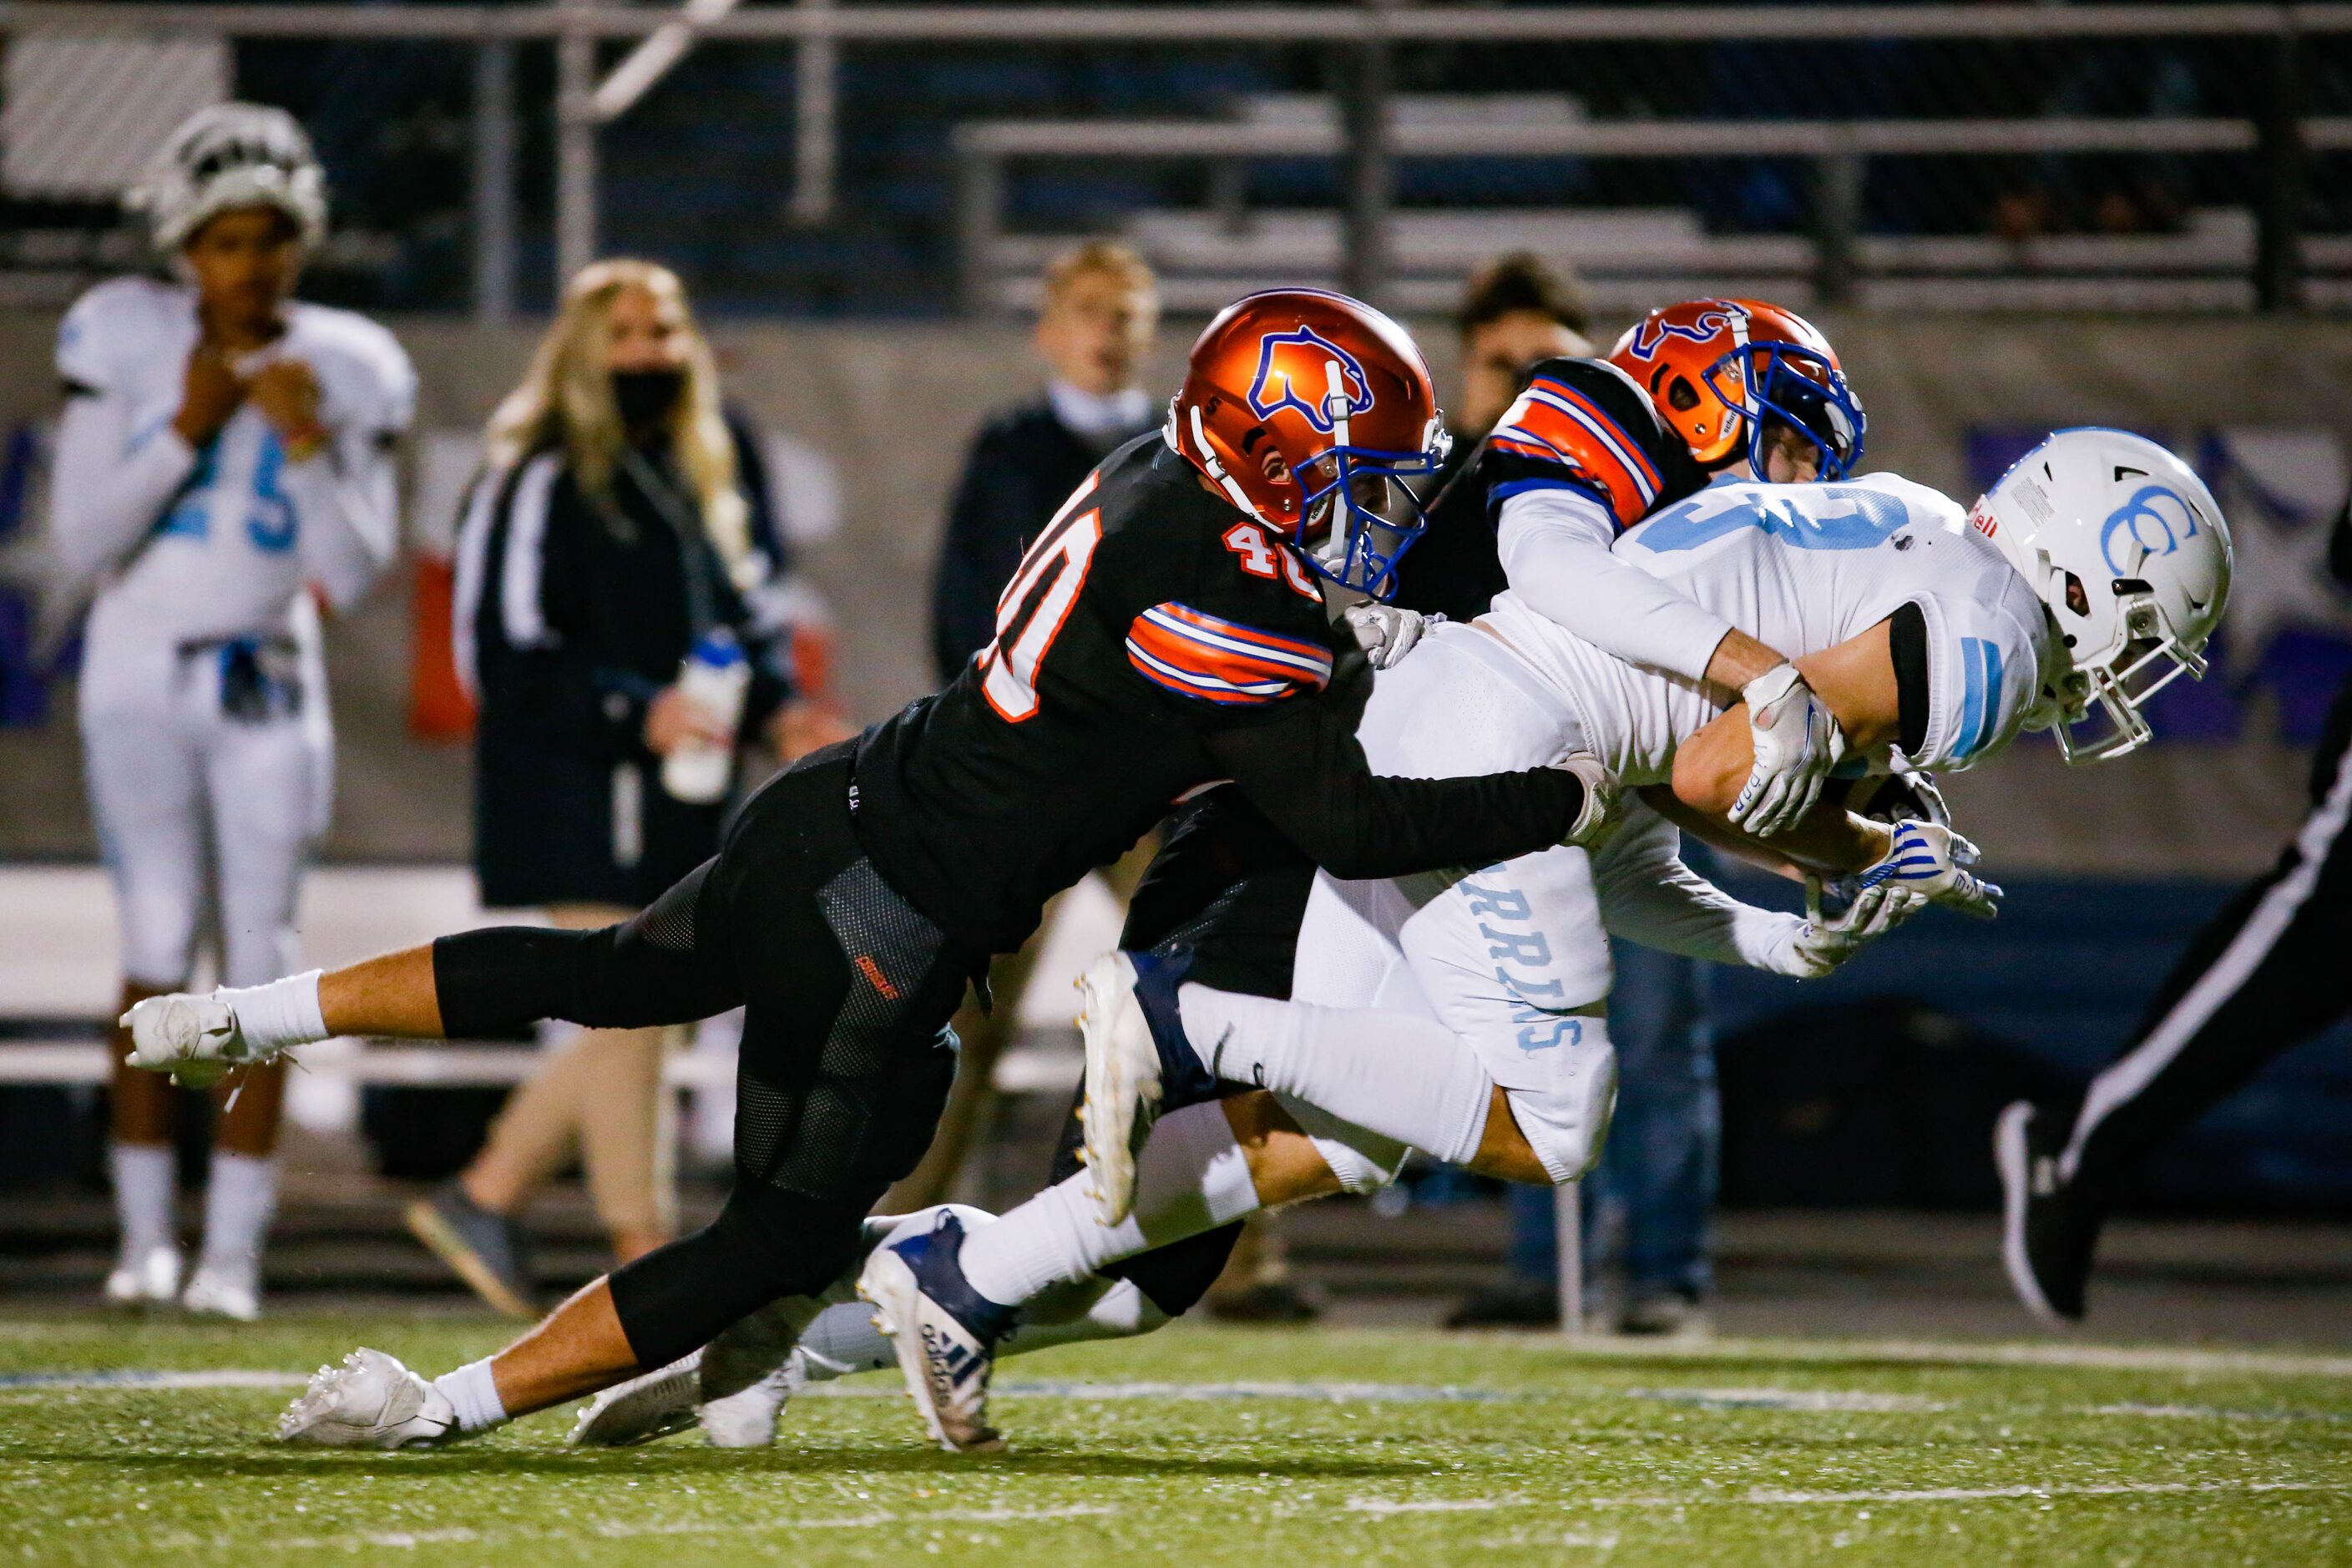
<point>714,675</point>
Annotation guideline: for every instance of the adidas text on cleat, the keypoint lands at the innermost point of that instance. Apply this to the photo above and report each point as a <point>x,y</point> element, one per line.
<point>2046,1238</point>
<point>369,1402</point>
<point>944,1331</point>
<point>647,1408</point>
<point>1122,1083</point>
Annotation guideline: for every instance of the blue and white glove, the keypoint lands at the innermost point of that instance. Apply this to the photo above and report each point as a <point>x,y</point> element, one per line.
<point>1797,741</point>
<point>1932,862</point>
<point>1822,943</point>
<point>1386,633</point>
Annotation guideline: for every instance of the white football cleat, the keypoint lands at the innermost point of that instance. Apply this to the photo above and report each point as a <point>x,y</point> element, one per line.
<point>944,1331</point>
<point>194,1038</point>
<point>369,1402</point>
<point>1123,1087</point>
<point>150,1281</point>
<point>747,1419</point>
<point>216,1293</point>
<point>647,1408</point>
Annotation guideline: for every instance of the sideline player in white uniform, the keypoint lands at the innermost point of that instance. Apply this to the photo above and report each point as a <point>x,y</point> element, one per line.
<point>225,451</point>
<point>2098,565</point>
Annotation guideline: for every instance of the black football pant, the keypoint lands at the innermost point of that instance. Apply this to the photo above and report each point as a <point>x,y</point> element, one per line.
<point>845,1060</point>
<point>2273,969</point>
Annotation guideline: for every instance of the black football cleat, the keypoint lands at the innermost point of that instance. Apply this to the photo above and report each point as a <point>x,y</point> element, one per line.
<point>2048,1234</point>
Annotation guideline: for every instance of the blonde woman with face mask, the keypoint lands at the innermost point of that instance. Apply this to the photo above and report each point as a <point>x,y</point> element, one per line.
<point>602,624</point>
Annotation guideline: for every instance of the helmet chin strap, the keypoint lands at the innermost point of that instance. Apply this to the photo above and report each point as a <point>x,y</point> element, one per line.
<point>1342,540</point>
<point>1231,486</point>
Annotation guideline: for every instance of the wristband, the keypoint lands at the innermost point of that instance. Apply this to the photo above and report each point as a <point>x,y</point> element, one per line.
<point>281,1014</point>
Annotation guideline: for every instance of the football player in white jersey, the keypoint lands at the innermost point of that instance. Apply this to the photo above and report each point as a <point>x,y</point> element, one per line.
<point>1465,1014</point>
<point>226,452</point>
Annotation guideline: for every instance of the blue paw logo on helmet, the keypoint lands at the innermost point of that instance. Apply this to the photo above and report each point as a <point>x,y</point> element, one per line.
<point>1699,329</point>
<point>1293,372</point>
<point>2152,511</point>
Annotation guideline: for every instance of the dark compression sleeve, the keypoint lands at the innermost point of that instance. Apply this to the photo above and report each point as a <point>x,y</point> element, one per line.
<point>670,964</point>
<point>1309,777</point>
<point>1907,639</point>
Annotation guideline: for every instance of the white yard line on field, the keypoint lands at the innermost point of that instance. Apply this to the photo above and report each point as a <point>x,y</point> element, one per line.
<point>1958,1352</point>
<point>39,1382</point>
<point>627,1529</point>
<point>1761,1496</point>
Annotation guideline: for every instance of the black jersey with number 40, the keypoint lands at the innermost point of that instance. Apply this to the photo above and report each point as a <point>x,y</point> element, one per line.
<point>1154,641</point>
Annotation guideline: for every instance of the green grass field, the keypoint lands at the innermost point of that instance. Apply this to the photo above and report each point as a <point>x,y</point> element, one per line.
<point>1310,1448</point>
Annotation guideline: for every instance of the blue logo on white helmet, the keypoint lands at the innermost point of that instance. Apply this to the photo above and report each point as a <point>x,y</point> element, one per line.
<point>2157,520</point>
<point>1293,372</point>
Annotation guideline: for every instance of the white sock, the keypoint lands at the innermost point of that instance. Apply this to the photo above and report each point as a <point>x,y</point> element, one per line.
<point>1193,1176</point>
<point>844,1340</point>
<point>145,1178</point>
<point>475,1394</point>
<point>239,1202</point>
<point>281,1014</point>
<point>1118,1313</point>
<point>1404,1076</point>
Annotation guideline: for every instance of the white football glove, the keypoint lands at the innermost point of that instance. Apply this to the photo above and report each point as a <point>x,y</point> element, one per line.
<point>194,1039</point>
<point>1599,812</point>
<point>1822,943</point>
<point>1932,862</point>
<point>1386,633</point>
<point>1797,742</point>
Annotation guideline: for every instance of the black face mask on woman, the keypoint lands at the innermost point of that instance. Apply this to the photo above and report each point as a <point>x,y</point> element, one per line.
<point>645,398</point>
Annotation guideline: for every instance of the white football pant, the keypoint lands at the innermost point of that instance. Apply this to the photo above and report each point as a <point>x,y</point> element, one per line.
<point>181,790</point>
<point>1513,959</point>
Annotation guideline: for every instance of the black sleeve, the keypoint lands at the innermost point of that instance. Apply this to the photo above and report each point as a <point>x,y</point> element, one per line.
<point>1309,777</point>
<point>564,697</point>
<point>1907,636</point>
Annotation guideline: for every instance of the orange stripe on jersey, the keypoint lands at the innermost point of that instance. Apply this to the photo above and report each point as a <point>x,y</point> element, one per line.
<point>1194,654</point>
<point>1552,422</point>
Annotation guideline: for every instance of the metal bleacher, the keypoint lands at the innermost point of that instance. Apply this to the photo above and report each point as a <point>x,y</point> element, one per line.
<point>1628,256</point>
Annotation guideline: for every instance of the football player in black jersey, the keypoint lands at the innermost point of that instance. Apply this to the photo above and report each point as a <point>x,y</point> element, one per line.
<point>1165,632</point>
<point>1589,448</point>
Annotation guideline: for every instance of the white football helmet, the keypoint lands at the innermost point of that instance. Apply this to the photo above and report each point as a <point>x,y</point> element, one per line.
<point>2128,551</point>
<point>232,156</point>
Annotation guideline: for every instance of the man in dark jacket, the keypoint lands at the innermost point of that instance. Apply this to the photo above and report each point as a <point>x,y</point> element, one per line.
<point>1102,310</point>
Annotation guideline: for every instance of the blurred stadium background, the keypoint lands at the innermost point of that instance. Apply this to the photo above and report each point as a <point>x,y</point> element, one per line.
<point>2007,216</point>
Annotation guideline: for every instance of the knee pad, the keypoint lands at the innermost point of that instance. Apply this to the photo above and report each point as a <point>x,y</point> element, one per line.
<point>765,1242</point>
<point>1359,1171</point>
<point>1364,1161</point>
<point>159,931</point>
<point>1564,1112</point>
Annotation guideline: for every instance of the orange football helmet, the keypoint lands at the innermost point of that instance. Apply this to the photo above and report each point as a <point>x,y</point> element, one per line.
<point>1311,412</point>
<point>1717,368</point>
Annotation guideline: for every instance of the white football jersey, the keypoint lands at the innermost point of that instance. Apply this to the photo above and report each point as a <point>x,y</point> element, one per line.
<point>225,554</point>
<point>1802,568</point>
